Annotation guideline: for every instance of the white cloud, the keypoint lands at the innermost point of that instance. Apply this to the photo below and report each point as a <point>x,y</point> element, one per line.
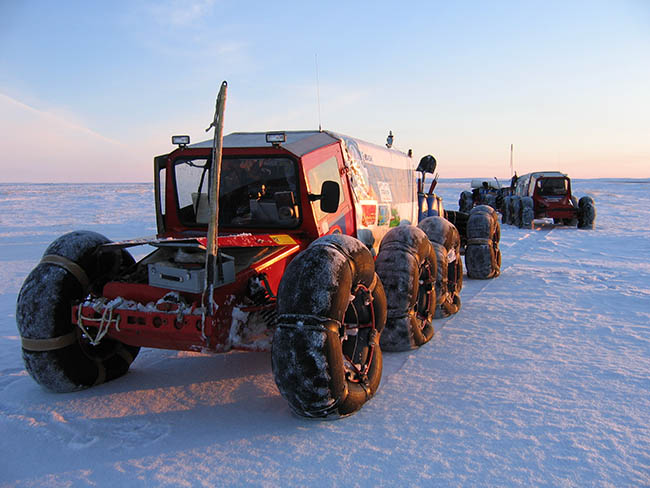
<point>43,147</point>
<point>23,112</point>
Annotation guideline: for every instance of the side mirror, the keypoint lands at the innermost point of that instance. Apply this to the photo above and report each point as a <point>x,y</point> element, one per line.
<point>330,193</point>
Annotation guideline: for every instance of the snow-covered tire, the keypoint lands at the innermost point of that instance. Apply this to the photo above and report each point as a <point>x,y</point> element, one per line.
<point>498,202</point>
<point>331,312</point>
<point>490,199</point>
<point>527,213</point>
<point>586,213</point>
<point>512,213</point>
<point>55,351</point>
<point>407,266</point>
<point>465,201</point>
<point>482,255</point>
<point>506,212</point>
<point>516,210</point>
<point>445,240</point>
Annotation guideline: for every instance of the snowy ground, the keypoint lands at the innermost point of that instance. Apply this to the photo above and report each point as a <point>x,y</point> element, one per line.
<point>542,378</point>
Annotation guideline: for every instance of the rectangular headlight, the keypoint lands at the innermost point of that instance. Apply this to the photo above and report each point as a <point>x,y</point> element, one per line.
<point>276,137</point>
<point>181,140</point>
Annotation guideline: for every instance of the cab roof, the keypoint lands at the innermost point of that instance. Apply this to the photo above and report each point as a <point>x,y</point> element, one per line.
<point>542,174</point>
<point>301,142</point>
<point>298,143</point>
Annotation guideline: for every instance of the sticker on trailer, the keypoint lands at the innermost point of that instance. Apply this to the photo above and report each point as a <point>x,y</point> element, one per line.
<point>383,214</point>
<point>368,213</point>
<point>385,194</point>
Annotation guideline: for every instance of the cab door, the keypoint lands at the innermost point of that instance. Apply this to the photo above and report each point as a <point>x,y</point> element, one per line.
<point>327,165</point>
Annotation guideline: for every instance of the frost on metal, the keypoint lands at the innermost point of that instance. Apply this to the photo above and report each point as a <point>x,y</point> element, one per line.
<point>171,303</point>
<point>250,330</point>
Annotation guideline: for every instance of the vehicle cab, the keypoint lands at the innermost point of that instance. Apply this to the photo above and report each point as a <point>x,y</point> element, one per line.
<point>551,194</point>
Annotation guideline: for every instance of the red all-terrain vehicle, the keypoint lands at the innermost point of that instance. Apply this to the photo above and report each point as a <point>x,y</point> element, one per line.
<point>308,251</point>
<point>547,194</point>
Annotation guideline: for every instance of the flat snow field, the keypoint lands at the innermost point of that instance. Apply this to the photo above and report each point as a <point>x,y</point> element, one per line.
<point>542,378</point>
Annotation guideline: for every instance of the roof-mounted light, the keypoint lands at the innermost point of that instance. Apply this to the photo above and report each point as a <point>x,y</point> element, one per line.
<point>181,141</point>
<point>276,138</point>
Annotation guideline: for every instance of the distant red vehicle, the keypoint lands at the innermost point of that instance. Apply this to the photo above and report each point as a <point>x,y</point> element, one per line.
<point>547,194</point>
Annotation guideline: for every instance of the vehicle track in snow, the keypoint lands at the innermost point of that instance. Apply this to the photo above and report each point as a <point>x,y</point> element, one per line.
<point>518,243</point>
<point>521,245</point>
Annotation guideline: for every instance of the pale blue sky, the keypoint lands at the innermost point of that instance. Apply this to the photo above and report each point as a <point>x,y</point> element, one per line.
<point>91,91</point>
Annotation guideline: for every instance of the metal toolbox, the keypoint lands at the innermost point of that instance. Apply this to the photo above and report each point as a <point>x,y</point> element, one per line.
<point>189,278</point>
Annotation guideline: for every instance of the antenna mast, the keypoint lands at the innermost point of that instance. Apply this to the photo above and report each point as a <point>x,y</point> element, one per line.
<point>318,93</point>
<point>512,170</point>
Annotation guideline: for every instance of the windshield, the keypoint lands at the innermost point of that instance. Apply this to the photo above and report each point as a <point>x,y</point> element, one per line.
<point>255,192</point>
<point>552,186</point>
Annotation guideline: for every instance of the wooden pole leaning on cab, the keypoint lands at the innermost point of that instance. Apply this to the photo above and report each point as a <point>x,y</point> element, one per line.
<point>212,260</point>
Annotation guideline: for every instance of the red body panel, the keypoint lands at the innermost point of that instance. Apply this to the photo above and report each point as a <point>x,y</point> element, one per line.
<point>162,326</point>
<point>143,323</point>
<point>553,206</point>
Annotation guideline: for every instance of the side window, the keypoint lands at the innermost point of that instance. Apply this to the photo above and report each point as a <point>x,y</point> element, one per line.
<point>160,182</point>
<point>191,178</point>
<point>162,179</point>
<point>326,171</point>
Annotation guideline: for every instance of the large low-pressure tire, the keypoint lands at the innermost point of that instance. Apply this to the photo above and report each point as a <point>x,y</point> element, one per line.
<point>407,266</point>
<point>331,308</point>
<point>490,199</point>
<point>445,240</point>
<point>55,351</point>
<point>507,212</point>
<point>527,213</point>
<point>465,201</point>
<point>482,256</point>
<point>498,202</point>
<point>516,210</point>
<point>586,213</point>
